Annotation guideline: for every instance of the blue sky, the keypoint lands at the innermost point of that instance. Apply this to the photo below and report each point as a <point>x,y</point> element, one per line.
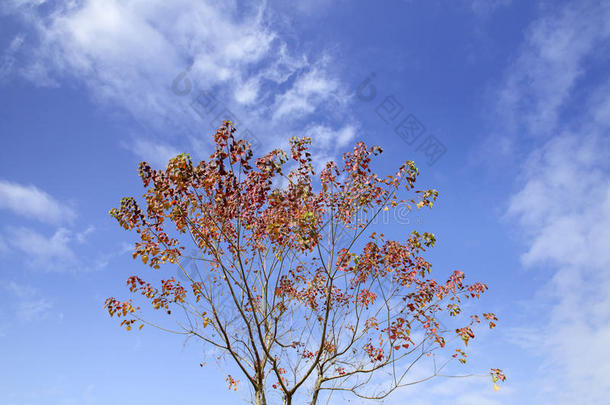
<point>512,118</point>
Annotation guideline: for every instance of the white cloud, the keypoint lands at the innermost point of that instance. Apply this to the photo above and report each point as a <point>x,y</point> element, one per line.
<point>247,92</point>
<point>8,58</point>
<point>310,90</point>
<point>28,303</point>
<point>484,8</point>
<point>312,8</point>
<point>325,136</point>
<point>562,208</point>
<point>3,246</point>
<point>471,390</point>
<point>128,53</point>
<point>23,4</point>
<point>47,252</point>
<point>40,251</point>
<point>29,310</point>
<point>81,237</point>
<point>32,202</point>
<point>538,85</point>
<point>156,154</point>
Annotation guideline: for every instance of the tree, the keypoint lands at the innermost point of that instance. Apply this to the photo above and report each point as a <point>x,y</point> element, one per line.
<point>297,291</point>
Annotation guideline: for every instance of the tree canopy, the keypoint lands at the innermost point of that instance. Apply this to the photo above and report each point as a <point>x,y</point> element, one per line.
<point>293,286</point>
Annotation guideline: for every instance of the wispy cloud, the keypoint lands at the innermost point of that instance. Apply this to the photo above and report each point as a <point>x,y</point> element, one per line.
<point>246,65</point>
<point>158,154</point>
<point>31,202</point>
<point>3,246</point>
<point>28,304</point>
<point>539,83</point>
<point>52,252</point>
<point>37,248</point>
<point>327,136</point>
<point>308,92</point>
<point>8,58</point>
<point>63,250</point>
<point>565,202</point>
<point>562,207</point>
<point>472,390</point>
<point>484,8</point>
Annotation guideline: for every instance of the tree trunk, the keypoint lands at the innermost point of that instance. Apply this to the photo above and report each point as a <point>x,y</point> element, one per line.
<point>316,391</point>
<point>260,397</point>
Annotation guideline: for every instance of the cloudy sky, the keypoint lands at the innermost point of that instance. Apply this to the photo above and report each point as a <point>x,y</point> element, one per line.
<point>504,105</point>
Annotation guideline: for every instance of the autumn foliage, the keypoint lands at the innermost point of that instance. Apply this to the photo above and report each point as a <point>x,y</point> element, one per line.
<point>293,285</point>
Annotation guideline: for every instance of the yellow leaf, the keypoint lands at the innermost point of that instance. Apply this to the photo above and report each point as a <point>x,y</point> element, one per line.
<point>141,326</point>
<point>496,387</point>
<point>386,208</point>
